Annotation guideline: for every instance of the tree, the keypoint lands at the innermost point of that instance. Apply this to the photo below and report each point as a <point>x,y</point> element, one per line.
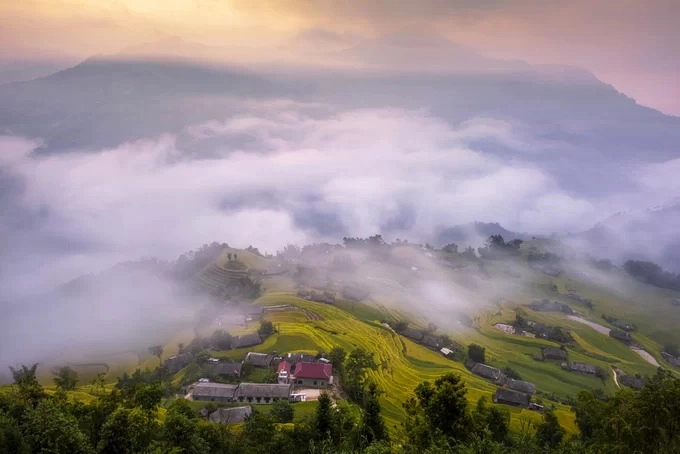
<point>266,328</point>
<point>11,439</point>
<point>431,328</point>
<point>148,397</point>
<point>221,340</point>
<point>550,432</point>
<point>156,350</point>
<point>477,353</point>
<point>66,378</point>
<point>337,357</point>
<point>324,418</point>
<point>25,379</point>
<point>282,411</point>
<point>451,248</point>
<point>401,325</point>
<point>258,433</point>
<point>492,421</point>
<point>48,428</point>
<point>357,363</point>
<point>127,430</point>
<point>373,425</point>
<point>445,406</point>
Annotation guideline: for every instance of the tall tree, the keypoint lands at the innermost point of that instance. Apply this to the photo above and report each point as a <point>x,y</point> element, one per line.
<point>157,350</point>
<point>49,429</point>
<point>324,418</point>
<point>66,378</point>
<point>373,424</point>
<point>550,432</point>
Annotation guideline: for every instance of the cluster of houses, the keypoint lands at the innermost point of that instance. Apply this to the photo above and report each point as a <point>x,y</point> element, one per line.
<point>510,392</point>
<point>580,299</point>
<point>432,341</point>
<point>294,370</point>
<point>560,354</point>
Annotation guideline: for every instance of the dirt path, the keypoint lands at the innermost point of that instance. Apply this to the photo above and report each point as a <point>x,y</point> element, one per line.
<point>646,356</point>
<point>616,378</point>
<point>596,326</point>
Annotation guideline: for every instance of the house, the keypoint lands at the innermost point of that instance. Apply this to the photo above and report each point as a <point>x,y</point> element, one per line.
<point>546,306</point>
<point>204,412</point>
<point>283,372</point>
<point>412,334</point>
<point>535,407</point>
<point>214,392</point>
<point>175,363</point>
<point>313,375</point>
<point>582,368</point>
<point>555,353</point>
<point>622,336</point>
<point>490,373</point>
<point>446,351</point>
<point>259,359</point>
<point>510,397</point>
<point>632,381</point>
<point>674,360</point>
<point>623,325</point>
<point>580,299</point>
<point>229,369</point>
<point>433,342</point>
<point>521,386</point>
<point>233,415</point>
<point>262,392</point>
<point>247,340</point>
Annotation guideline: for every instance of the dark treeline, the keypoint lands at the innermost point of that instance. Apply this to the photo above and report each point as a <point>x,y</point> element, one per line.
<point>653,274</point>
<point>439,420</point>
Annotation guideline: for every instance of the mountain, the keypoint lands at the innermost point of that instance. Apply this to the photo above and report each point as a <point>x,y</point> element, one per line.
<point>475,234</point>
<point>584,133</point>
<point>636,235</point>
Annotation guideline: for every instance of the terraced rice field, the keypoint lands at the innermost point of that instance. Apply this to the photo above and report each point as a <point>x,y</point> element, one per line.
<point>402,364</point>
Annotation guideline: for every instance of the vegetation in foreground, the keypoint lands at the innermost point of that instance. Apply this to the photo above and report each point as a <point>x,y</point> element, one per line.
<point>439,420</point>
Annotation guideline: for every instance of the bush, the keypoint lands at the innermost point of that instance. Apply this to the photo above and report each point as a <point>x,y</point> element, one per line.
<point>477,353</point>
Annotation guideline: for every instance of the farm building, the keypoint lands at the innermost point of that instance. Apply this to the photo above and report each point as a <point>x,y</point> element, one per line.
<point>510,397</point>
<point>554,353</point>
<point>490,373</point>
<point>259,359</point>
<point>262,392</point>
<point>522,386</point>
<point>622,336</point>
<point>580,299</point>
<point>582,368</point>
<point>623,325</point>
<point>547,306</point>
<point>433,342</point>
<point>214,392</point>
<point>293,358</point>
<point>227,369</point>
<point>313,375</point>
<point>231,415</point>
<point>175,363</point>
<point>632,381</point>
<point>247,340</point>
<point>674,360</point>
<point>413,334</point>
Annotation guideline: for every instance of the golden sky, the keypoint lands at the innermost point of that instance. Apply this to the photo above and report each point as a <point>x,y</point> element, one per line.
<point>632,44</point>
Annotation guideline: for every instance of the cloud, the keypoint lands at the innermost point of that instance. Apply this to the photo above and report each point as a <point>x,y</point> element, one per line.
<point>300,177</point>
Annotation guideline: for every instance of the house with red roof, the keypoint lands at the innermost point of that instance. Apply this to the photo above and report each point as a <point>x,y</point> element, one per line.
<point>312,375</point>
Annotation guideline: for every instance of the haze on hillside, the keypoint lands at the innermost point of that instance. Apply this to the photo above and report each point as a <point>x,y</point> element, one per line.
<point>155,143</point>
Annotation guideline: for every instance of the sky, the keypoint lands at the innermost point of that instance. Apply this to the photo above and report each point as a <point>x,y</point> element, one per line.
<point>631,44</point>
